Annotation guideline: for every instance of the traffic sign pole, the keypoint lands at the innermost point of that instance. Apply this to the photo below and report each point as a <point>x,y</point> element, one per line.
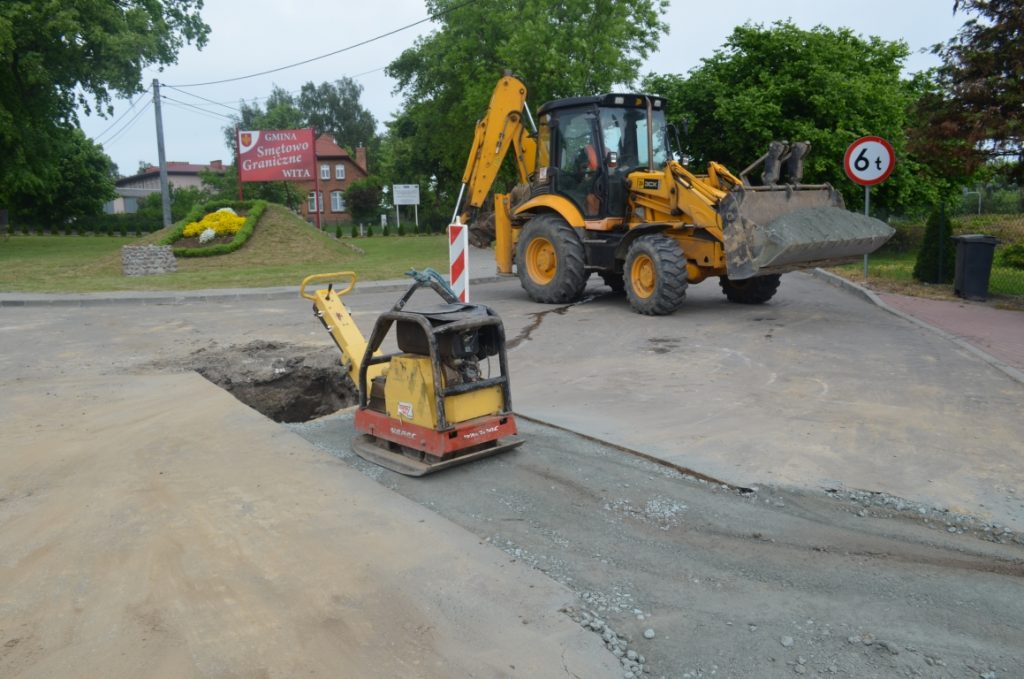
<point>867,209</point>
<point>869,161</point>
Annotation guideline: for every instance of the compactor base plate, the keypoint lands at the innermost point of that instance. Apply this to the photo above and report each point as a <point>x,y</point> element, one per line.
<point>414,463</point>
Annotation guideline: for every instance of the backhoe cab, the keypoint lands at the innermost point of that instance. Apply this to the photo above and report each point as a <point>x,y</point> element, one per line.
<point>605,195</point>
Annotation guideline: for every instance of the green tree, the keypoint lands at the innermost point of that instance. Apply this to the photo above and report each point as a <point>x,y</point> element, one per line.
<point>937,257</point>
<point>569,48</point>
<point>57,55</point>
<point>363,198</point>
<point>826,86</point>
<point>182,201</point>
<point>976,112</point>
<point>78,183</point>
<point>334,108</point>
<point>225,185</point>
<point>280,111</point>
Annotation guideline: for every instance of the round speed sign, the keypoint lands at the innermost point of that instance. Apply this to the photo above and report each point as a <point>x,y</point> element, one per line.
<point>869,160</point>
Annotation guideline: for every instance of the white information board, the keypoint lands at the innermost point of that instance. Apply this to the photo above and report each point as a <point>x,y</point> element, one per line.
<point>405,194</point>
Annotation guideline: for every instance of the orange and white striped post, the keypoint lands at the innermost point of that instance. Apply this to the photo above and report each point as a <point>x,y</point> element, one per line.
<point>458,260</point>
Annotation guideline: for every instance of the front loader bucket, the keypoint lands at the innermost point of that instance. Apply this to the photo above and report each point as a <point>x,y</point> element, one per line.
<point>775,229</point>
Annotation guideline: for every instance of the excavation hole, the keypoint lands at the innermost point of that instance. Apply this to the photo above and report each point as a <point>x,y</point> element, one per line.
<point>286,382</point>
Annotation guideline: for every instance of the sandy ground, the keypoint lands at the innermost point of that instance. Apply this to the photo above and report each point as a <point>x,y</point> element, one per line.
<point>154,526</point>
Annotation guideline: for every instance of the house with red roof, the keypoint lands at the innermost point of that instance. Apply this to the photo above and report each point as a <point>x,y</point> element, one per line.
<point>131,190</point>
<point>336,170</point>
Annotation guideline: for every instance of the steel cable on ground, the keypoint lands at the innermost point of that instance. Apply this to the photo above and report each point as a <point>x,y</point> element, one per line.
<point>329,54</point>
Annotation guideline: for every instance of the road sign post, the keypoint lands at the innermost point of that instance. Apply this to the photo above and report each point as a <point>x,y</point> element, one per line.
<point>869,161</point>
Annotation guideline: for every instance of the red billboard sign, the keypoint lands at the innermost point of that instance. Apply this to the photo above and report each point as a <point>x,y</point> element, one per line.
<point>276,155</point>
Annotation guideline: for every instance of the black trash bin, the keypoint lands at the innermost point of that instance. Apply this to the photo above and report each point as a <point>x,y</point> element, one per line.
<point>973,265</point>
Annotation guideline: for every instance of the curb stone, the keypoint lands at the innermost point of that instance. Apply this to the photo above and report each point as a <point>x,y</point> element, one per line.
<point>179,297</point>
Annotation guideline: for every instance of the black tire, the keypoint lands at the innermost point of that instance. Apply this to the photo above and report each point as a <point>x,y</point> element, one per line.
<point>756,290</point>
<point>549,260</point>
<point>655,275</point>
<point>615,281</point>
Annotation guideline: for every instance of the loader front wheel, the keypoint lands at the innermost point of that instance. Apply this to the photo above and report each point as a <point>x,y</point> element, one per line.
<point>550,261</point>
<point>655,275</point>
<point>756,290</point>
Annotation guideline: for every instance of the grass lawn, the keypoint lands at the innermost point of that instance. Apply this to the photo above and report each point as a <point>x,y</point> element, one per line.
<point>282,251</point>
<point>893,272</point>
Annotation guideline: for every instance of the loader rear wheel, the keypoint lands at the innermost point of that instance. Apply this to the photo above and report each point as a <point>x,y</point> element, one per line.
<point>756,290</point>
<point>655,275</point>
<point>550,261</point>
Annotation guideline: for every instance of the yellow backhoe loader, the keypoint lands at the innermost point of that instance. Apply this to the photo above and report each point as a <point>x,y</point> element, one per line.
<point>436,402</point>
<point>602,193</point>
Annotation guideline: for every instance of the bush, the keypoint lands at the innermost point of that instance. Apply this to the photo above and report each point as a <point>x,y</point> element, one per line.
<point>1013,256</point>
<point>133,223</point>
<point>369,230</point>
<point>908,237</point>
<point>401,230</point>
<point>937,257</point>
<point>384,230</point>
<point>355,230</point>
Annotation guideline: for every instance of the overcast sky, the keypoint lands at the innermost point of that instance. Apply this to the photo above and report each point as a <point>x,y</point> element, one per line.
<point>268,34</point>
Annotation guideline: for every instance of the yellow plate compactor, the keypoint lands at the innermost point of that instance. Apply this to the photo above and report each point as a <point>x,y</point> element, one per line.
<point>434,403</point>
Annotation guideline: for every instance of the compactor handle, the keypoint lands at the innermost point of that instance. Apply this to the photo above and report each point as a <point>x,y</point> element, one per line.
<point>321,277</point>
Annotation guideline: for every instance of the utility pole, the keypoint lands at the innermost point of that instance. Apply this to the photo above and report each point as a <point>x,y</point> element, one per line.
<point>165,189</point>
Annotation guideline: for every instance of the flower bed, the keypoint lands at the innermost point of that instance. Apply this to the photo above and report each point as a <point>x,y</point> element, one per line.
<point>232,231</point>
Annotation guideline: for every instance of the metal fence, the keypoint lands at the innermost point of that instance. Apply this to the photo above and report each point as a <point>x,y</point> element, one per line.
<point>997,212</point>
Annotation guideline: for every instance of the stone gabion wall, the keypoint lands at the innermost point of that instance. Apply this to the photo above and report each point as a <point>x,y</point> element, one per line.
<point>147,260</point>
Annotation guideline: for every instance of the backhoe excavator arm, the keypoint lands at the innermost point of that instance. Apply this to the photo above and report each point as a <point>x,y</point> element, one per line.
<point>500,129</point>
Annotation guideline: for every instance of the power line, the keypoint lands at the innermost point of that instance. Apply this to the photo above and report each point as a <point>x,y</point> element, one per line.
<point>290,92</point>
<point>126,126</point>
<point>178,107</point>
<point>201,110</point>
<point>182,106</point>
<point>330,54</point>
<point>126,112</point>
<point>211,101</point>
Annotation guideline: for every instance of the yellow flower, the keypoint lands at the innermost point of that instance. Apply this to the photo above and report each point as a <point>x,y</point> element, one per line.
<point>224,223</point>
